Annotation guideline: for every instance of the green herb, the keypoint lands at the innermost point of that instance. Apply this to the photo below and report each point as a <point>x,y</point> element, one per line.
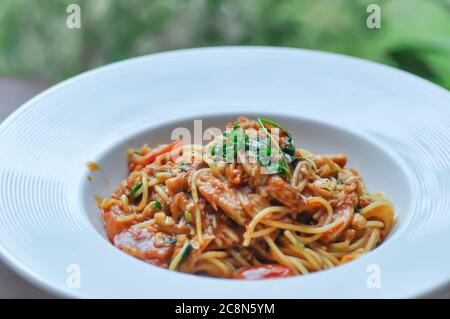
<point>133,191</point>
<point>236,141</point>
<point>188,216</point>
<point>181,256</point>
<point>187,248</point>
<point>289,147</point>
<point>156,205</point>
<point>264,159</point>
<point>278,169</point>
<point>283,165</point>
<point>337,174</point>
<point>271,123</point>
<point>278,126</point>
<point>170,241</point>
<point>212,150</point>
<point>183,168</point>
<point>263,150</point>
<point>300,244</point>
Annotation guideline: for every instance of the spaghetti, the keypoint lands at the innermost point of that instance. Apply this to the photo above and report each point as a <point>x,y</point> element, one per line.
<point>248,205</point>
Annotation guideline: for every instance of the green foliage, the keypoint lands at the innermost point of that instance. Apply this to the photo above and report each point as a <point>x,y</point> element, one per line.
<point>34,39</point>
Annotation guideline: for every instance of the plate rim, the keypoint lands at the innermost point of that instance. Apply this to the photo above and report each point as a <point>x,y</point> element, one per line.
<point>27,272</point>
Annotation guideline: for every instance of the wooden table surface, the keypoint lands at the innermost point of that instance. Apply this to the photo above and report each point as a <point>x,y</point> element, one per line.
<point>13,93</point>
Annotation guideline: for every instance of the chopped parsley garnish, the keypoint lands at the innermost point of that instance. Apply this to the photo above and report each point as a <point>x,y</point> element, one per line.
<point>212,150</point>
<point>236,141</point>
<point>156,205</point>
<point>289,147</point>
<point>267,151</point>
<point>272,123</point>
<point>283,165</point>
<point>131,194</point>
<point>181,256</point>
<point>186,251</point>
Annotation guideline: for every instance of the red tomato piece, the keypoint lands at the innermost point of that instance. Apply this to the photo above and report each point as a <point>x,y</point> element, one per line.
<point>146,244</point>
<point>113,225</point>
<point>160,150</point>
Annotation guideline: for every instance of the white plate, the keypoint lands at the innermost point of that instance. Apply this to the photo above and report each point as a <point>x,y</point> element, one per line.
<point>395,128</point>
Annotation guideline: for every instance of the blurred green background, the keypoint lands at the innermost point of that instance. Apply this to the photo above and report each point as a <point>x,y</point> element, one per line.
<point>35,42</point>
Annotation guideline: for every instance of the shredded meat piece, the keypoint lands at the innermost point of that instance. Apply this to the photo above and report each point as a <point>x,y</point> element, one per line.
<point>319,191</point>
<point>346,214</point>
<point>345,211</point>
<point>235,176</point>
<point>281,191</point>
<point>180,181</point>
<point>177,184</point>
<point>219,194</point>
<point>245,123</point>
<point>253,203</point>
<point>178,205</point>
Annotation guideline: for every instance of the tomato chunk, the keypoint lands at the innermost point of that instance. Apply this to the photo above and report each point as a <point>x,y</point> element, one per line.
<point>113,225</point>
<point>263,272</point>
<point>154,247</point>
